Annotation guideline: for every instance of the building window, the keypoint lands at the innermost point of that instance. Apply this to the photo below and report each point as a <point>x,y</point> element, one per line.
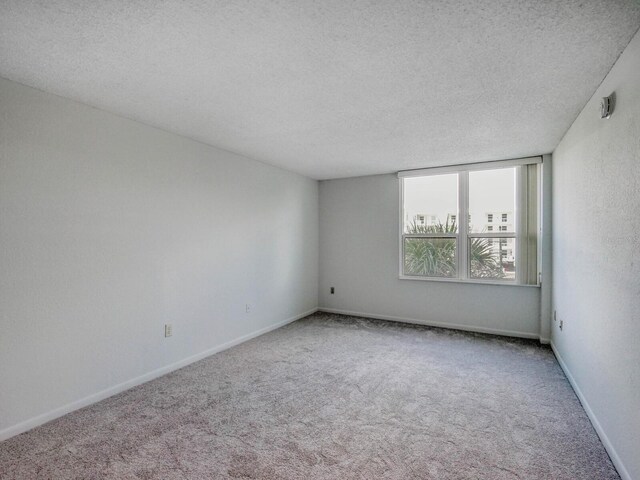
<point>472,250</point>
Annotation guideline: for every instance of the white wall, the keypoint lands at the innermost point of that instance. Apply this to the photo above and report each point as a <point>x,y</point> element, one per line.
<point>596,260</point>
<point>359,257</point>
<point>109,229</point>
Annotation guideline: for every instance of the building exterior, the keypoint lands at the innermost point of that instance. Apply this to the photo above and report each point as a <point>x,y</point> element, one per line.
<point>496,222</point>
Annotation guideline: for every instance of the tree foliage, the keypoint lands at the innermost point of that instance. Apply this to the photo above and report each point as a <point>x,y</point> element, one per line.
<point>436,257</point>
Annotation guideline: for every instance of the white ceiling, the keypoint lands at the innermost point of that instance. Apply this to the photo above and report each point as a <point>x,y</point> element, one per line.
<point>330,88</point>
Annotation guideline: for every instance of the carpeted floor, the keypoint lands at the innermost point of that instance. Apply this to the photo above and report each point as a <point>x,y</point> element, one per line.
<point>333,397</point>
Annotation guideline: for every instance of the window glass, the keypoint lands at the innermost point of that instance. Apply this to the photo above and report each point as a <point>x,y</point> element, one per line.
<point>466,224</point>
<point>430,257</point>
<point>492,194</point>
<point>431,204</point>
<point>492,259</point>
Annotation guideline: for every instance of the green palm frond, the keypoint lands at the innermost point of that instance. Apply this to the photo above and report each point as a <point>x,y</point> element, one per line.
<point>436,257</point>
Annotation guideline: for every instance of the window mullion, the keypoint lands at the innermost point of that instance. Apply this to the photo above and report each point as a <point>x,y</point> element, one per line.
<point>429,235</point>
<point>463,225</point>
<point>471,235</point>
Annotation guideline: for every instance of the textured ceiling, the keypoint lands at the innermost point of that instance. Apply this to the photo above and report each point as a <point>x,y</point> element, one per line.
<point>328,88</point>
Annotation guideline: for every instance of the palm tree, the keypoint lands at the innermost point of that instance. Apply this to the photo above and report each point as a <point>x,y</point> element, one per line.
<point>436,257</point>
<point>484,263</point>
<point>433,257</point>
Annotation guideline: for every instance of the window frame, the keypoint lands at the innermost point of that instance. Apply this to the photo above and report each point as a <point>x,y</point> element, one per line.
<point>527,232</point>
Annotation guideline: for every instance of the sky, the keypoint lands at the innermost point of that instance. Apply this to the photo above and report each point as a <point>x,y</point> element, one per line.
<point>490,191</point>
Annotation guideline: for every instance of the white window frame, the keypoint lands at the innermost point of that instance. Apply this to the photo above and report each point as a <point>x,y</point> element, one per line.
<point>527,230</point>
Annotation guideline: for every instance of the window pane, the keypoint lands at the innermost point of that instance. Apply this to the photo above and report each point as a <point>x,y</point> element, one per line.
<point>431,204</point>
<point>431,257</point>
<point>493,258</point>
<point>492,199</point>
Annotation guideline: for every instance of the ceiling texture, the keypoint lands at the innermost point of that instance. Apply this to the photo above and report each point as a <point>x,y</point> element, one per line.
<point>331,88</point>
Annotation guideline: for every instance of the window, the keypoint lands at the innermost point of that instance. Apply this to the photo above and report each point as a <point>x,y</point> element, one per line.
<point>437,195</point>
<point>472,250</point>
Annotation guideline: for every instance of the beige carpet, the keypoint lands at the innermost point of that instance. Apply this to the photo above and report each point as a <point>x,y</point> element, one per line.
<point>333,397</point>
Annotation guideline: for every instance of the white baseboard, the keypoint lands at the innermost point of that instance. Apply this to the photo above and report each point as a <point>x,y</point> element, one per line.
<point>617,462</point>
<point>121,387</point>
<point>453,326</point>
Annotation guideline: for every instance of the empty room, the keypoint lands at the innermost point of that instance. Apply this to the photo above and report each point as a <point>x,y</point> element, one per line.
<point>294,239</point>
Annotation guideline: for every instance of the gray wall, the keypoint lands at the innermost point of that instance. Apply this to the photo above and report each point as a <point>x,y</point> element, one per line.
<point>109,229</point>
<point>359,257</point>
<point>596,261</point>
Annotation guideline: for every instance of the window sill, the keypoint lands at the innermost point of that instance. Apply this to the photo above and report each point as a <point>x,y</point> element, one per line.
<point>473,282</point>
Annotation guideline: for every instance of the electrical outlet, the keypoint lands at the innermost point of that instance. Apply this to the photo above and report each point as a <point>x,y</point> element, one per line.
<point>248,308</point>
<point>333,290</point>
<point>561,324</point>
<point>168,329</point>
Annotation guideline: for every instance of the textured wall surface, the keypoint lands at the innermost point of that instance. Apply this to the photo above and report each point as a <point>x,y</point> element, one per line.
<point>332,88</point>
<point>110,229</point>
<point>359,256</point>
<point>596,243</point>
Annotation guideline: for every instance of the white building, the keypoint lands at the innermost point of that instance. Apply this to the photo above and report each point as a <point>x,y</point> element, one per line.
<point>496,222</point>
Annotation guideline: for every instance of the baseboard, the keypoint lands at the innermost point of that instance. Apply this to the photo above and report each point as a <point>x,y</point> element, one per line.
<point>121,387</point>
<point>545,341</point>
<point>452,326</point>
<point>617,462</point>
